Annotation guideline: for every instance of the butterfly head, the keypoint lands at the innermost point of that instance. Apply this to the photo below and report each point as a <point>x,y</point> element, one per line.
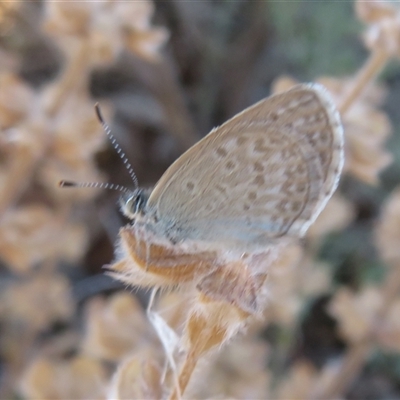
<point>133,203</point>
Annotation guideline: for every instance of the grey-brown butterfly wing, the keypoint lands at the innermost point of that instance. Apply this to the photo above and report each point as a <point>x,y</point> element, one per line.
<point>265,173</point>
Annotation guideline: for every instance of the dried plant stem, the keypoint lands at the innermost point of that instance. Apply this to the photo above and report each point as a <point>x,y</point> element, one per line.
<point>358,353</point>
<point>375,63</point>
<point>74,74</point>
<point>186,372</point>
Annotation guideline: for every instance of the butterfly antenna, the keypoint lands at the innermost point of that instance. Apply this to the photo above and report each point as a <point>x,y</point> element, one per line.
<point>116,146</point>
<point>98,185</point>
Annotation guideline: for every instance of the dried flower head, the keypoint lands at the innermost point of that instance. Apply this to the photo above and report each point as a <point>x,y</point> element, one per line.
<point>387,331</point>
<point>80,378</point>
<point>7,10</point>
<point>356,312</point>
<point>387,233</point>
<point>114,327</point>
<point>16,99</point>
<point>383,31</point>
<point>34,234</point>
<point>305,381</point>
<point>48,292</point>
<point>106,28</point>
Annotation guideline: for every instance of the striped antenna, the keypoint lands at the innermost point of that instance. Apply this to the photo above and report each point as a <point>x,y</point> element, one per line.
<point>97,185</point>
<point>116,146</point>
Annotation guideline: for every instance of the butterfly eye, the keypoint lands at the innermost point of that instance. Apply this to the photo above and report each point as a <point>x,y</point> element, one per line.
<point>133,203</point>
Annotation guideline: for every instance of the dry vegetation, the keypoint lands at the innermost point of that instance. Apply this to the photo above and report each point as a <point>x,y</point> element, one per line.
<point>165,73</point>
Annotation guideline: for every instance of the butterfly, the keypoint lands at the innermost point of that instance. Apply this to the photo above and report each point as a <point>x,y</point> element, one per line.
<point>265,174</point>
<point>250,186</point>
